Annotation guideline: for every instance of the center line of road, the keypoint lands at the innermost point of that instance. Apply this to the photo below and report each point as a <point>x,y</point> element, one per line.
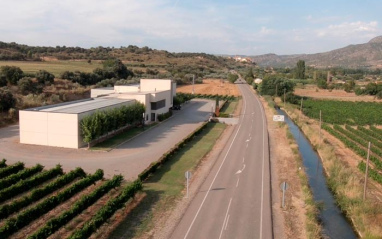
<point>226,224</point>
<point>237,183</point>
<point>221,165</point>
<point>225,219</point>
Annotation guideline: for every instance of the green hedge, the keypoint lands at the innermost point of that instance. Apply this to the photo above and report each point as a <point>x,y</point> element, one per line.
<point>25,185</point>
<point>3,164</point>
<point>102,122</point>
<point>107,211</point>
<point>14,168</point>
<point>164,116</point>
<point>166,156</point>
<point>14,178</point>
<point>83,203</point>
<point>39,193</point>
<point>24,218</point>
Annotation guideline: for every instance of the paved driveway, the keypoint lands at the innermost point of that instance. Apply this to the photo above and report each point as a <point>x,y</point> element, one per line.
<point>129,159</point>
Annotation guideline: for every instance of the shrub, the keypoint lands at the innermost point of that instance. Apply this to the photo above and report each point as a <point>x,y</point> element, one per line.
<point>7,100</point>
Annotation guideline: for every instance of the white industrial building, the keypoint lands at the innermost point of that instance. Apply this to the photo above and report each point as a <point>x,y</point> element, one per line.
<point>58,125</point>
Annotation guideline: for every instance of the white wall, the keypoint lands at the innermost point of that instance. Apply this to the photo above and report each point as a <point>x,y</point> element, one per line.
<point>155,84</point>
<point>101,91</point>
<point>50,129</point>
<point>126,88</point>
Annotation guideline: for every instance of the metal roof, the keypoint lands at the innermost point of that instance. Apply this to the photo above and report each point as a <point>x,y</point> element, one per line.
<point>78,107</point>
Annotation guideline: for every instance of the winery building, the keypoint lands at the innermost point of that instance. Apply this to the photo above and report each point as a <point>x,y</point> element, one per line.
<point>59,125</point>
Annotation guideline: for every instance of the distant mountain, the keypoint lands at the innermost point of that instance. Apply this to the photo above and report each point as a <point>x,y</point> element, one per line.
<point>367,55</point>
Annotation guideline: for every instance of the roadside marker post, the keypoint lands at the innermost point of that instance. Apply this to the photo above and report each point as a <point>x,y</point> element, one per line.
<point>188,176</point>
<point>284,186</point>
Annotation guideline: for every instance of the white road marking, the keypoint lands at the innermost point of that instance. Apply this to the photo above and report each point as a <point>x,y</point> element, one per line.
<point>262,174</point>
<point>237,183</point>
<point>226,224</point>
<point>221,165</point>
<point>240,171</point>
<point>225,218</point>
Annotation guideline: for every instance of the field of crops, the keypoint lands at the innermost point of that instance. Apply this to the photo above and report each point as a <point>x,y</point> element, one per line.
<point>344,112</point>
<point>357,139</point>
<point>38,203</point>
<point>353,123</point>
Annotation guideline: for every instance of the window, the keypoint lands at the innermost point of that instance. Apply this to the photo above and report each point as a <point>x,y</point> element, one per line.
<point>158,105</point>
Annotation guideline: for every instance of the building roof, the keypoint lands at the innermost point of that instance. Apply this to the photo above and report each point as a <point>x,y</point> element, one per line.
<point>81,106</point>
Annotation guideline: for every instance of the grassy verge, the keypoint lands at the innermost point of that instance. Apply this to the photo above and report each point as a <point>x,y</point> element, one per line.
<point>111,143</point>
<point>345,181</point>
<point>166,186</point>
<point>229,107</point>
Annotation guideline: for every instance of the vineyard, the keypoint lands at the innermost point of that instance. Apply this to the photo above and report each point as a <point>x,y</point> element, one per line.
<point>343,112</point>
<point>37,203</point>
<point>353,124</point>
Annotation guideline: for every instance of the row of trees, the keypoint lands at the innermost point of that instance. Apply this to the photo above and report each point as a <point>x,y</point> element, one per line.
<point>12,74</point>
<point>112,68</point>
<point>103,122</point>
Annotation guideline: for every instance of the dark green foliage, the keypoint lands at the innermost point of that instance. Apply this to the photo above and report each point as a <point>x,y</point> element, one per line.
<point>83,203</point>
<point>14,168</point>
<point>7,100</point>
<point>12,74</point>
<point>164,116</point>
<point>14,178</point>
<point>352,145</point>
<point>300,70</point>
<point>232,77</point>
<point>27,86</point>
<point>38,193</point>
<point>107,211</point>
<point>102,122</point>
<point>344,112</point>
<point>25,185</point>
<point>322,84</point>
<point>3,163</point>
<point>23,219</point>
<point>292,98</point>
<point>271,82</point>
<point>372,173</point>
<point>44,77</point>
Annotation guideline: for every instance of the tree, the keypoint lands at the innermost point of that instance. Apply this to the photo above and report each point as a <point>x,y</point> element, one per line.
<point>271,82</point>
<point>44,77</point>
<point>7,100</point>
<point>349,86</point>
<point>300,70</point>
<point>232,77</point>
<point>25,85</point>
<point>12,74</point>
<point>249,76</point>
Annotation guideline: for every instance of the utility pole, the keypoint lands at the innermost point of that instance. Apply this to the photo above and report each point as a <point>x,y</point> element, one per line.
<point>193,82</point>
<point>276,91</point>
<point>319,143</point>
<point>366,171</point>
<point>284,98</point>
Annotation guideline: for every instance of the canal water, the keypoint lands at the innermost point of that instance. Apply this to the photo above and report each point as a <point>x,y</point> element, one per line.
<point>334,223</point>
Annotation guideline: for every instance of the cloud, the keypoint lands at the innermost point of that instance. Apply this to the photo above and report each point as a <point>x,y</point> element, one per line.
<point>350,29</point>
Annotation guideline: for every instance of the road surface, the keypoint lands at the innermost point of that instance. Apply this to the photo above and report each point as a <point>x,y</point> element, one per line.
<point>234,201</point>
<point>129,159</point>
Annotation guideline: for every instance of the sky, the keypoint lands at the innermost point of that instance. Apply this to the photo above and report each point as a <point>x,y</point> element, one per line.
<point>241,27</point>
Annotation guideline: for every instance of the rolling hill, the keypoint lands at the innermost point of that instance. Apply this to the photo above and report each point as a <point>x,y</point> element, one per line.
<point>367,55</point>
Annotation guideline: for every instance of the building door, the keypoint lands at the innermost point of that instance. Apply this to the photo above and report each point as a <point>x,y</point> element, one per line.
<point>152,116</point>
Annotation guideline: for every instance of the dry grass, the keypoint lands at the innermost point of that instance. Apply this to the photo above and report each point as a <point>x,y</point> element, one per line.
<point>300,215</point>
<point>344,178</point>
<point>211,86</point>
<point>313,92</point>
<point>54,67</point>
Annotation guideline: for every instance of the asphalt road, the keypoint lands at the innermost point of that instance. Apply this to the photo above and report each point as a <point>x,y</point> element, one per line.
<point>234,201</point>
<point>129,159</point>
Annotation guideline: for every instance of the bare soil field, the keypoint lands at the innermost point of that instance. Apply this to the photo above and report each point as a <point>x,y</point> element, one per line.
<point>211,86</point>
<point>313,92</point>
